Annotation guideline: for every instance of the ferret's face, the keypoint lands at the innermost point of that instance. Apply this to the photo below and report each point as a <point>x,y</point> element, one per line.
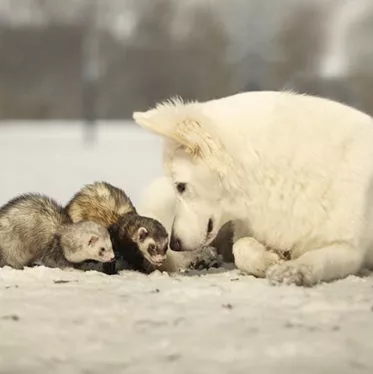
<point>86,241</point>
<point>154,250</point>
<point>100,249</point>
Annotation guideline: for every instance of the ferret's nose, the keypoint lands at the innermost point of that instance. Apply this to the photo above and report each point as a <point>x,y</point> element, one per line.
<point>175,244</point>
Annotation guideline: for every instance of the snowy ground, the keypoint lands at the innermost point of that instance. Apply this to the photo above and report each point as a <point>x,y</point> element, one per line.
<point>69,322</point>
<point>216,322</point>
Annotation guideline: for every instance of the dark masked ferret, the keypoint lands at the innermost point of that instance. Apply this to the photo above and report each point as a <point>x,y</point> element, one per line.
<point>35,229</point>
<point>140,241</point>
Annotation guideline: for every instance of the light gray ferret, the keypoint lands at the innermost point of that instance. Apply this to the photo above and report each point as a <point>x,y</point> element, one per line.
<point>34,229</point>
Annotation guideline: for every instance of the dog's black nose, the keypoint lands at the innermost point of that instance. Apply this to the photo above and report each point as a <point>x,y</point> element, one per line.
<point>175,244</point>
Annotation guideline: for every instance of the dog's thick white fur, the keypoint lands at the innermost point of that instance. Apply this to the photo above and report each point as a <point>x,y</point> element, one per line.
<point>293,171</point>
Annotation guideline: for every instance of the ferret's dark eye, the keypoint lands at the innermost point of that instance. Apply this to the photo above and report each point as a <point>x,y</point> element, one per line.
<point>151,249</point>
<point>181,187</point>
<point>102,251</point>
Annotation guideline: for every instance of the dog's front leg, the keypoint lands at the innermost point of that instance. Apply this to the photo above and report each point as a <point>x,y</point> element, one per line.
<point>252,257</point>
<point>320,265</point>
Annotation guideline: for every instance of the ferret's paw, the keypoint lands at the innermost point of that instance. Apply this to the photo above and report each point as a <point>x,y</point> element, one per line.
<point>206,258</point>
<point>291,272</point>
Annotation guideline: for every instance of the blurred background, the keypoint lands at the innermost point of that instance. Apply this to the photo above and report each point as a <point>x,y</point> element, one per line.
<point>73,71</point>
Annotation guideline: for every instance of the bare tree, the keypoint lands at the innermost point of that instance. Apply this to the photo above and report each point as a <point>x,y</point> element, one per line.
<point>90,68</point>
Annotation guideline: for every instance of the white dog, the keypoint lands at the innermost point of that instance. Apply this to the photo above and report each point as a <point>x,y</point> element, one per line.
<point>293,171</point>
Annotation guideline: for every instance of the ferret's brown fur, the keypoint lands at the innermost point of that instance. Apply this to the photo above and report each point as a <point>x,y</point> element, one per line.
<point>140,241</point>
<point>99,202</point>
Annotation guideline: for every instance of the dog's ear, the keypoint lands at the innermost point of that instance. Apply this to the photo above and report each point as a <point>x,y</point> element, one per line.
<point>181,123</point>
<point>151,120</point>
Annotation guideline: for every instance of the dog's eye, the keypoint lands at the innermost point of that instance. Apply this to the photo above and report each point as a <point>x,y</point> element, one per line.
<point>181,187</point>
<point>210,226</point>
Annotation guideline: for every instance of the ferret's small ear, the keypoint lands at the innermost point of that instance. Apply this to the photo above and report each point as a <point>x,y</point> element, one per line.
<point>142,233</point>
<point>92,240</point>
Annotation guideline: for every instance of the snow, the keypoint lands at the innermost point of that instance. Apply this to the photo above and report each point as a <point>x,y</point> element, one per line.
<point>216,322</point>
<point>200,322</point>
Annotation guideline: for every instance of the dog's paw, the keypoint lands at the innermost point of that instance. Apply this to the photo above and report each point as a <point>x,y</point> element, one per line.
<point>272,258</point>
<point>291,273</point>
<point>252,258</point>
<point>207,257</point>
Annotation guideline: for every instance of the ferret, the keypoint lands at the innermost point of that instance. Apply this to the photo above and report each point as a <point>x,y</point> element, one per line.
<point>140,241</point>
<point>35,229</point>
